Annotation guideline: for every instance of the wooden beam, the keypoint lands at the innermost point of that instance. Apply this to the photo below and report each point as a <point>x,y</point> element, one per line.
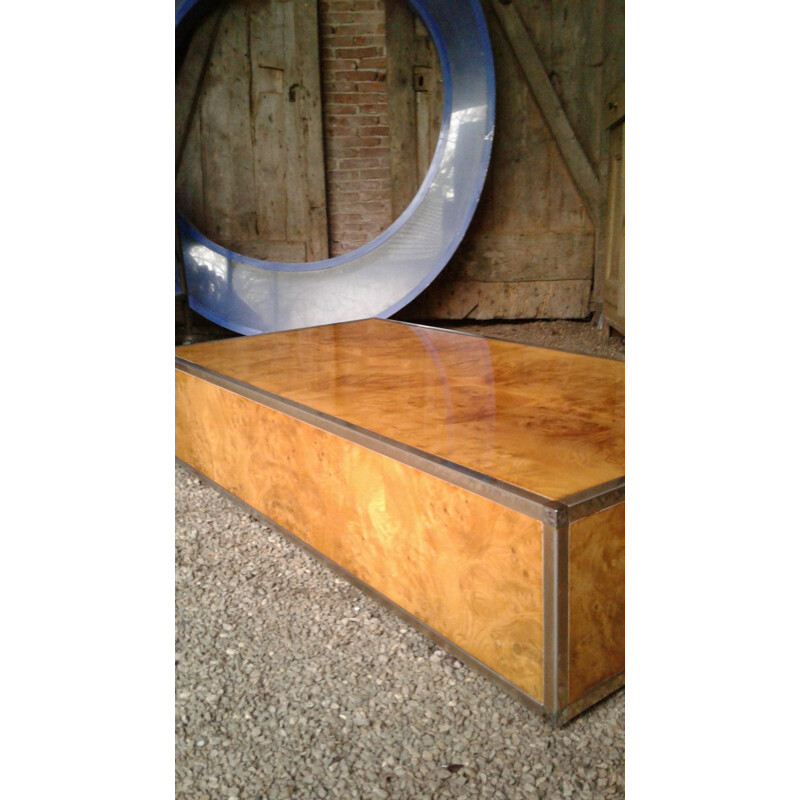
<point>579,166</point>
<point>190,80</point>
<point>400,95</point>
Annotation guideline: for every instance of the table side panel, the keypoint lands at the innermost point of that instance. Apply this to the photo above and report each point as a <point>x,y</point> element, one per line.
<point>466,566</point>
<point>596,599</point>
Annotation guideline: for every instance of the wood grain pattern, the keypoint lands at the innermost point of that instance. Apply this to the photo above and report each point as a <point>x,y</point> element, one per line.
<point>614,265</point>
<point>414,109</point>
<point>524,257</point>
<point>530,198</point>
<point>400,98</point>
<point>579,166</point>
<point>463,565</point>
<point>547,421</point>
<point>534,299</point>
<point>250,173</point>
<point>577,69</point>
<point>596,599</point>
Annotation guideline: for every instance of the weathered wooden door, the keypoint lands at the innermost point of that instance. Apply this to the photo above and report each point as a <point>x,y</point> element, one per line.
<point>415,96</point>
<point>614,267</point>
<point>249,161</point>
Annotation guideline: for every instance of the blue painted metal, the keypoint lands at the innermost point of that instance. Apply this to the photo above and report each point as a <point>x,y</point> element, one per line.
<point>251,296</point>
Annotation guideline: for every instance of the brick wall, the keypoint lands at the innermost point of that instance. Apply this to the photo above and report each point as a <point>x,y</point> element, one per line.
<point>354,116</point>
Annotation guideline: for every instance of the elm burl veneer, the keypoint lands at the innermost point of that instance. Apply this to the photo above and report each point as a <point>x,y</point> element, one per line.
<point>474,485</point>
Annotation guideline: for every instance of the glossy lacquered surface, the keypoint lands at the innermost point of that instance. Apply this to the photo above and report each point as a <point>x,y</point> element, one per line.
<point>465,566</point>
<point>250,296</point>
<point>546,421</point>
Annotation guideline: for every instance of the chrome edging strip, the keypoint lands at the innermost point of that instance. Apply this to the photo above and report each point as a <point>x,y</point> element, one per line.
<point>594,695</point>
<point>450,647</point>
<point>513,497</point>
<point>500,339</point>
<point>555,616</point>
<point>597,498</point>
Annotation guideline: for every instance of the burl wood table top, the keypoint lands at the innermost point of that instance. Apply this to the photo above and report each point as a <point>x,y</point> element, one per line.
<point>544,420</point>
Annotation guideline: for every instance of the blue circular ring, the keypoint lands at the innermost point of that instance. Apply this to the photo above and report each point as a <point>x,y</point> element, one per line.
<point>248,295</point>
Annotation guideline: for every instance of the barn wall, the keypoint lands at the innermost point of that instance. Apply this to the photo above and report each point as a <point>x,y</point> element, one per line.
<point>351,157</point>
<point>532,247</point>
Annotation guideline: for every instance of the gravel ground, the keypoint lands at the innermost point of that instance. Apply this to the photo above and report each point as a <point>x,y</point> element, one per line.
<point>292,683</point>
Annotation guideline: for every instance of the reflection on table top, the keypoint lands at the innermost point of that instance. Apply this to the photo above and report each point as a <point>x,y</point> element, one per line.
<point>547,421</point>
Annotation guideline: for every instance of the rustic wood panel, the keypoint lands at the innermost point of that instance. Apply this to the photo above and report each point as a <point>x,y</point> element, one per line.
<point>509,257</point>
<point>613,45</point>
<point>530,250</point>
<point>517,197</point>
<point>596,599</point>
<point>614,262</point>
<point>576,69</point>
<point>531,189</point>
<point>415,97</point>
<point>613,72</point>
<point>227,145</point>
<point>252,177</point>
<point>463,565</point>
<point>536,77</point>
<point>537,16</point>
<point>267,96</point>
<point>189,180</point>
<point>467,299</point>
<point>307,219</point>
<point>189,80</point>
<point>565,210</point>
<point>547,421</point>
<point>400,51</point>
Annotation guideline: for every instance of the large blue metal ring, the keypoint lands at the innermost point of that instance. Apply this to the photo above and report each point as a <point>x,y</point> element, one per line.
<point>251,296</point>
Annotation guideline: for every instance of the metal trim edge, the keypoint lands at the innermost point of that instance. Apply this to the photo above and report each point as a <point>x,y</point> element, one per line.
<point>589,698</point>
<point>523,501</point>
<point>390,605</point>
<point>555,616</point>
<point>596,498</point>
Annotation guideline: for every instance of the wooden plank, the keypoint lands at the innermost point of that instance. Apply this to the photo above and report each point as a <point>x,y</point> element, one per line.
<point>189,81</point>
<point>271,250</point>
<point>422,81</point>
<point>614,106</point>
<point>229,190</point>
<point>509,257</point>
<point>596,599</point>
<point>261,134</point>
<point>429,89</point>
<point>189,196</point>
<point>467,567</point>
<point>614,266</point>
<point>308,111</point>
<point>613,72</point>
<point>576,71</point>
<point>565,210</point>
<point>537,16</point>
<point>613,44</point>
<point>271,145</point>
<point>579,166</point>
<point>296,205</point>
<point>568,299</point>
<point>401,100</point>
<point>516,195</point>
